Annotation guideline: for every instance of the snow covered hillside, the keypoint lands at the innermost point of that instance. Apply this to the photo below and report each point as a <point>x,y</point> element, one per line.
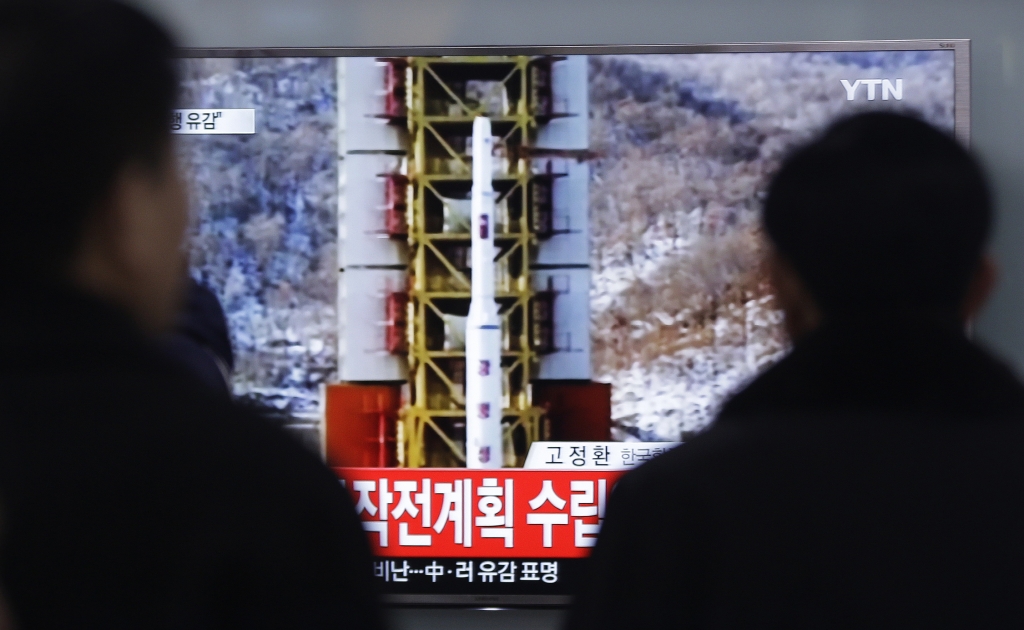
<point>682,313</point>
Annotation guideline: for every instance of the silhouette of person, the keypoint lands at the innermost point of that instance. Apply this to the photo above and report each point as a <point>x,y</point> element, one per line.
<point>871,478</point>
<point>134,496</point>
<point>200,339</point>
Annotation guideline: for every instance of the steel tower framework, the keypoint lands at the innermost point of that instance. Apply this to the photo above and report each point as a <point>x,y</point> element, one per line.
<point>442,95</point>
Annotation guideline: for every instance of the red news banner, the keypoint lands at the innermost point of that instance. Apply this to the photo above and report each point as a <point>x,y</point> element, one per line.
<point>461,513</point>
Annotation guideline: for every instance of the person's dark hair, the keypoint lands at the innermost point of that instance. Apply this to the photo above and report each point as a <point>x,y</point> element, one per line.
<point>86,87</point>
<point>883,211</point>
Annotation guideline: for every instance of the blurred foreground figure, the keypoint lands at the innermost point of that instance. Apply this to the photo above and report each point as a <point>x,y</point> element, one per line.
<point>134,497</point>
<point>200,339</point>
<point>875,476</point>
<point>5,617</point>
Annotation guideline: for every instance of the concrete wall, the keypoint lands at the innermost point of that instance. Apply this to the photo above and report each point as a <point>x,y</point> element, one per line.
<point>995,26</point>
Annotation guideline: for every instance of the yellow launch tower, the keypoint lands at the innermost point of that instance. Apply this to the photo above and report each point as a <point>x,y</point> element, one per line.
<point>442,96</point>
<point>409,145</point>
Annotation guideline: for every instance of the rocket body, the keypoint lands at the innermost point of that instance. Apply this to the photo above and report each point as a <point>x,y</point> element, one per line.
<point>484,407</point>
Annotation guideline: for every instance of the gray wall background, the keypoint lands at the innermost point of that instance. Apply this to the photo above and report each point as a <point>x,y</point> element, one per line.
<point>995,26</point>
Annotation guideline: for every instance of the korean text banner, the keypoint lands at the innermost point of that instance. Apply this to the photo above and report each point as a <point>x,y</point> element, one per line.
<point>458,513</point>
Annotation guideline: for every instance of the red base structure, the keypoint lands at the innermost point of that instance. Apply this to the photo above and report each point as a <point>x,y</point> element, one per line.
<point>360,424</point>
<point>577,410</point>
<point>361,418</point>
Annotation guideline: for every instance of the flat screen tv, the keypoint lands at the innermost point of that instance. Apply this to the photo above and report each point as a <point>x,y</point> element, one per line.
<point>483,282</point>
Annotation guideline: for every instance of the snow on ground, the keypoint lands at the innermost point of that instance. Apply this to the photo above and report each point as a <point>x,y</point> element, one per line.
<point>682,314</point>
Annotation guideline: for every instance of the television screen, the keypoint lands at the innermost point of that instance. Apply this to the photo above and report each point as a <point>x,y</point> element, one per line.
<point>485,282</point>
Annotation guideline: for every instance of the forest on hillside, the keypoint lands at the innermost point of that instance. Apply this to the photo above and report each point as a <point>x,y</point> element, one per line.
<point>682,313</point>
<point>264,236</point>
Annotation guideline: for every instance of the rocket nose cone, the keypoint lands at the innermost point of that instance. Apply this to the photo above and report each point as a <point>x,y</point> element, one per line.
<point>482,127</point>
<point>482,147</point>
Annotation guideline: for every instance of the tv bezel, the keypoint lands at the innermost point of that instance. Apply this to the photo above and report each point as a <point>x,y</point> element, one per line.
<point>961,119</point>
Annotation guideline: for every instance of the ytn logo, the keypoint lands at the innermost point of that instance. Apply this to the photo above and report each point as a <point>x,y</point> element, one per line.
<point>888,88</point>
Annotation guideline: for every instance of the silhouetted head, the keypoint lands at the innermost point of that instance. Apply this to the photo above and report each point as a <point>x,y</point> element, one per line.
<point>883,212</point>
<point>91,194</point>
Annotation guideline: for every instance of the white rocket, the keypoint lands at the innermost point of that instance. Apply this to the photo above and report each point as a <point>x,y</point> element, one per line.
<point>483,327</point>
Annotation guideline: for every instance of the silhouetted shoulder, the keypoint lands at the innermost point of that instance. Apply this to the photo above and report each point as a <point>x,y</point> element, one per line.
<point>194,511</point>
<point>880,364</point>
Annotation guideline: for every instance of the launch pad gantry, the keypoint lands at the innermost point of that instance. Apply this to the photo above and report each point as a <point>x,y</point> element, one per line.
<point>427,106</point>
